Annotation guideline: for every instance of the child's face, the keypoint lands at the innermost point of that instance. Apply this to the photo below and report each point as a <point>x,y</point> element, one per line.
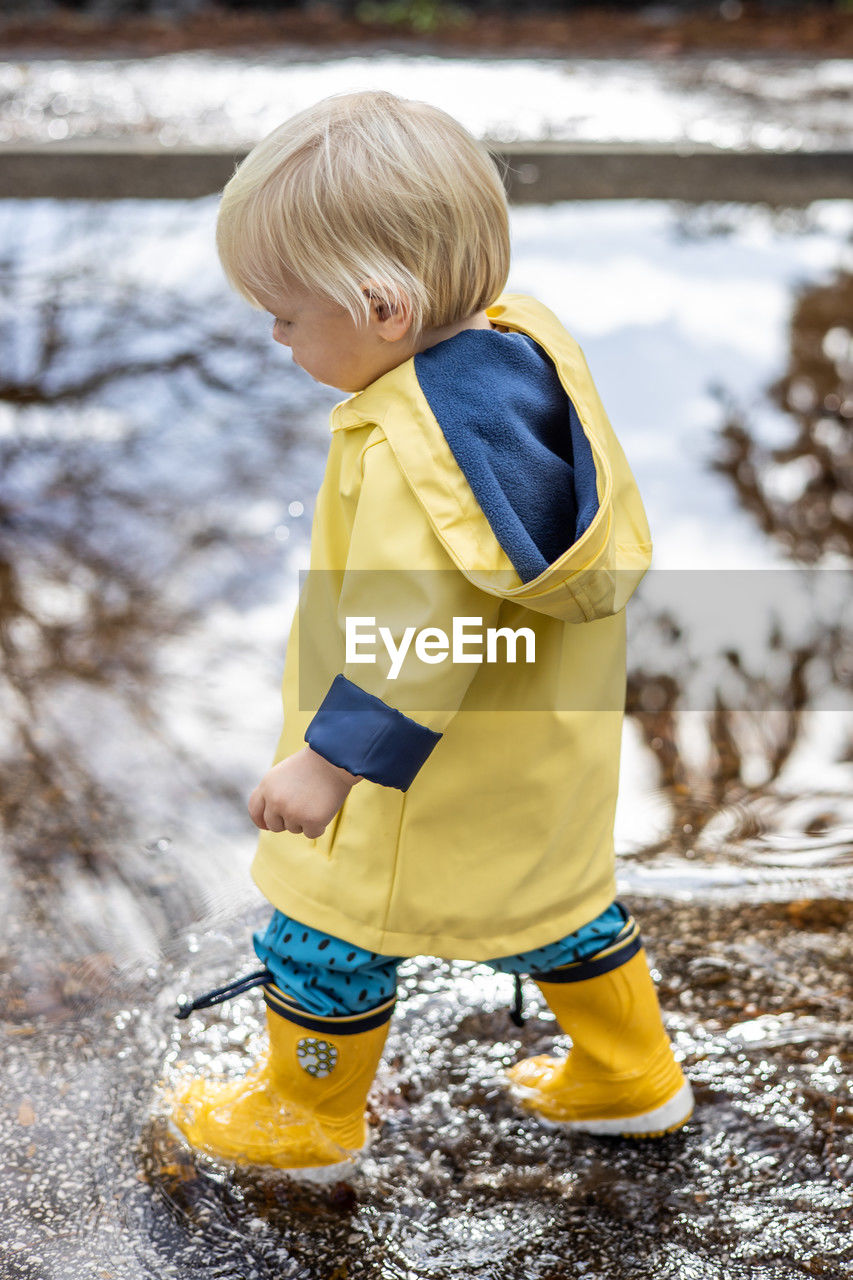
<point>328,344</point>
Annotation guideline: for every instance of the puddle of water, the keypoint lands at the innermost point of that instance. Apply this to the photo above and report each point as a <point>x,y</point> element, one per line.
<point>158,461</point>
<point>457,1183</point>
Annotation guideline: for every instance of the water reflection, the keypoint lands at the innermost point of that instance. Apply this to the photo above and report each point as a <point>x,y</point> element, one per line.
<point>128,509</point>
<point>729,730</point>
<point>725,772</point>
<point>801,492</point>
<point>157,463</point>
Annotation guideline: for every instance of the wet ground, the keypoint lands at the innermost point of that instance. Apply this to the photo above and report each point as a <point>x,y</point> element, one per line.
<point>158,461</point>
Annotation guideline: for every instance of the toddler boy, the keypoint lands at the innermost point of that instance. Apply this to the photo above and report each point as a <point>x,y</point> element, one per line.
<point>446,778</point>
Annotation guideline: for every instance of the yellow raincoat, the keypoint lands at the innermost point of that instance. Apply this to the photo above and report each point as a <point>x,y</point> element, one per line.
<point>499,838</point>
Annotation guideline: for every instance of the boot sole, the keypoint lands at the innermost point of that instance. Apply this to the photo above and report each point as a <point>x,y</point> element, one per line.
<point>317,1175</point>
<point>669,1118</point>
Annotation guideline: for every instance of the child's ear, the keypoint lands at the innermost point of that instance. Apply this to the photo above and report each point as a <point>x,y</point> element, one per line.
<point>394,317</point>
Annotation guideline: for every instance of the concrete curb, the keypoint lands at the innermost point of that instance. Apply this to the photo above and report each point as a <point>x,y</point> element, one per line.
<point>535,172</point>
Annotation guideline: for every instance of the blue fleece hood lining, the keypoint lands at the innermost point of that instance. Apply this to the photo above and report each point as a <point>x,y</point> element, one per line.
<point>517,438</point>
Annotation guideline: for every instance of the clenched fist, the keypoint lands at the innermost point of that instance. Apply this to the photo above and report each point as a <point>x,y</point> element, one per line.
<point>301,794</point>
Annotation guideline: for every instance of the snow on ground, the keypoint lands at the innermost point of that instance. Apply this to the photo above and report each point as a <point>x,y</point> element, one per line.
<point>205,98</point>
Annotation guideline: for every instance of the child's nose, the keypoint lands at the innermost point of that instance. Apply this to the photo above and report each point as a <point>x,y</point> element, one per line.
<point>279,333</point>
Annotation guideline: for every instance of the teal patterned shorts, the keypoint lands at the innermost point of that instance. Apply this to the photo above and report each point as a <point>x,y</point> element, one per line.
<point>331,977</point>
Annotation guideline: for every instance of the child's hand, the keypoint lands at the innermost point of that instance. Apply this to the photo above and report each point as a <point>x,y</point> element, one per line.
<point>302,794</point>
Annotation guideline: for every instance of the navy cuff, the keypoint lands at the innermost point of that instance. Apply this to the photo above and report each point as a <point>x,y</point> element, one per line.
<point>358,731</point>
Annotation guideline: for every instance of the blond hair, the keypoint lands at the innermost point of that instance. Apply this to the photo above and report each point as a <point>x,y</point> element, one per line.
<point>369,187</point>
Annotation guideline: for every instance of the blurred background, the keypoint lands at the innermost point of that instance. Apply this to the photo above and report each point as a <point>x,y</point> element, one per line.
<point>682,197</point>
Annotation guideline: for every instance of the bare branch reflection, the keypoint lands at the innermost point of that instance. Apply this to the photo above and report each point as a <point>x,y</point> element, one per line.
<point>127,501</point>
<point>801,493</point>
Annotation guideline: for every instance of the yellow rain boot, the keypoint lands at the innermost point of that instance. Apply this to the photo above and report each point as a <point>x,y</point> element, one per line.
<point>620,1076</point>
<point>301,1107</point>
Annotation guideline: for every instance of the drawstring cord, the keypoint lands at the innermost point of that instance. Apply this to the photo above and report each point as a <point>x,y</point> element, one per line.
<point>220,994</point>
<point>515,1012</point>
<point>262,976</point>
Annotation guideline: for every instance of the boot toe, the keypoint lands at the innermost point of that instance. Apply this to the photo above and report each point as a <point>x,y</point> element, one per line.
<point>636,1106</point>
<point>533,1073</point>
<point>247,1122</point>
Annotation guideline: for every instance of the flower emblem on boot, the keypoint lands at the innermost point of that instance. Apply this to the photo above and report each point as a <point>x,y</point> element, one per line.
<point>317,1057</point>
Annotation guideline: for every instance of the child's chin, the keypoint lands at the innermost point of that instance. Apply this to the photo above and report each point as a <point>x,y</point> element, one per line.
<point>337,386</point>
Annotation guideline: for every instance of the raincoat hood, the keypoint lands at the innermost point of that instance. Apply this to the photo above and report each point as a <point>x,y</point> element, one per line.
<point>589,485</point>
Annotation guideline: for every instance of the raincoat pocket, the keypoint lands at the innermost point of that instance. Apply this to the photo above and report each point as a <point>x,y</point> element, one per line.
<point>325,842</point>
